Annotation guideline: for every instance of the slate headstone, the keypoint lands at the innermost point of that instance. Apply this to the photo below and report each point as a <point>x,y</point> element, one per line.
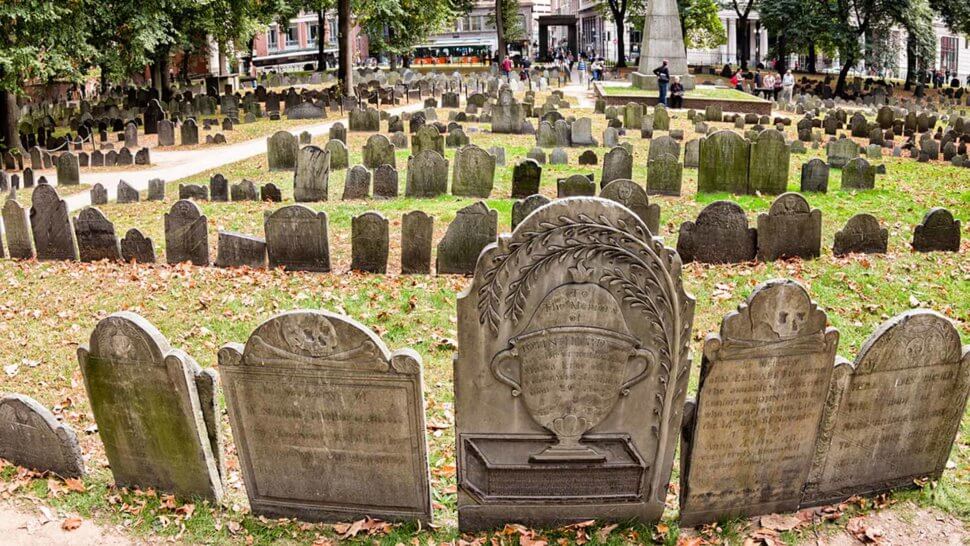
<point>719,235</point>
<point>473,228</point>
<point>186,234</point>
<point>296,239</point>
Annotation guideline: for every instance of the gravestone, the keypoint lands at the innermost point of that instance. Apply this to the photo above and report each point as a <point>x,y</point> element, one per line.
<point>474,172</point>
<point>378,151</point>
<point>768,170</point>
<point>156,189</point>
<point>719,235</point>
<point>281,151</point>
<point>663,145</point>
<point>558,157</point>
<point>746,453</point>
<point>244,191</point>
<point>815,176</point>
<point>617,163</point>
<point>124,158</point>
<point>581,132</point>
<point>135,247</point>
<point>692,153</point>
<point>339,156</point>
<point>665,175</point>
<point>576,185</point>
<point>427,175</point>
<point>724,163</point>
<point>218,188</point>
<point>902,399</point>
<point>428,138</point>
<point>507,114</point>
<point>68,170</point>
<point>632,115</point>
<point>166,133</point>
<point>629,194</point>
<point>839,152</point>
<point>131,135</point>
<point>332,375</point>
<point>193,191</point>
<point>338,132</point>
<point>790,229</point>
<point>240,250</point>
<point>385,182</point>
<point>312,179</point>
<point>31,437</point>
<point>861,234</point>
<point>152,116</point>
<point>96,239</point>
<point>547,353</point>
<point>416,234</point>
<point>524,207</point>
<point>473,228</point>
<point>189,133</point>
<point>51,225</point>
<point>858,174</point>
<point>99,195</point>
<point>368,120</point>
<point>126,193</point>
<point>186,234</point>
<point>155,408</point>
<point>270,192</point>
<point>588,157</point>
<point>357,183</point>
<point>938,231</point>
<point>16,227</point>
<point>296,239</point>
<point>526,177</point>
<point>369,243</point>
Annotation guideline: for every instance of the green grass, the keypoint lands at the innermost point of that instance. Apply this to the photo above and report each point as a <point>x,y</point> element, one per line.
<point>720,93</point>
<point>51,307</point>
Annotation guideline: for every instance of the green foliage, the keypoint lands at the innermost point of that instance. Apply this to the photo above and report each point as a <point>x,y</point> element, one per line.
<point>394,26</point>
<point>956,14</point>
<point>512,20</point>
<point>918,20</point>
<point>702,26</point>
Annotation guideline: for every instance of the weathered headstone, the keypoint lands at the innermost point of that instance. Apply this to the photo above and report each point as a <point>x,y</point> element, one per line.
<point>428,138</point>
<point>99,195</point>
<point>719,235</point>
<point>665,175</point>
<point>189,132</point>
<point>357,183</point>
<point>839,152</point>
<point>16,227</point>
<point>135,247</point>
<point>576,185</point>
<point>378,151</point>
<point>51,225</point>
<point>617,163</point>
<point>218,188</point>
<point>938,231</point>
<point>339,156</point>
<point>858,174</point>
<point>791,228</point>
<point>815,176</point>
<point>768,170</point>
<point>193,191</point>
<point>31,437</point>
<point>312,178</point>
<point>473,228</point>
<point>416,234</point>
<point>427,175</point>
<point>724,163</point>
<point>629,194</point>
<point>68,170</point>
<point>369,243</point>
<point>281,151</point>
<point>240,250</point>
<point>474,172</point>
<point>126,193</point>
<point>861,234</point>
<point>96,239</point>
<point>186,234</point>
<point>244,191</point>
<point>156,189</point>
<point>296,239</point>
<point>166,133</point>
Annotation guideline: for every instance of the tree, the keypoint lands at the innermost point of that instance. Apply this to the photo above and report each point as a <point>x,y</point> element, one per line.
<point>395,26</point>
<point>920,38</point>
<point>795,25</point>
<point>41,40</point>
<point>510,25</point>
<point>618,8</point>
<point>700,24</point>
<point>320,7</point>
<point>955,13</point>
<point>742,35</point>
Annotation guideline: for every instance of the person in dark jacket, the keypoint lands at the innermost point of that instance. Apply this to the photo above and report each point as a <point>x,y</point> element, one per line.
<point>676,93</point>
<point>663,79</point>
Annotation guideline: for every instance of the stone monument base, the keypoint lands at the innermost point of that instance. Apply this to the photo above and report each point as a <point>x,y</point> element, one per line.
<point>649,81</point>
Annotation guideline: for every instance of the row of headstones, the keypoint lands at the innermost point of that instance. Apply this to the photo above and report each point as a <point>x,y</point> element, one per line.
<point>720,234</point>
<point>780,421</point>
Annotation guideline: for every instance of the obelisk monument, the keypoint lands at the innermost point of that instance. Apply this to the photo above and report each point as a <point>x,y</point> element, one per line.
<point>662,39</point>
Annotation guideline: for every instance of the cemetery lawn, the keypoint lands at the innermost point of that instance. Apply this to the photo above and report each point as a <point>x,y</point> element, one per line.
<point>700,92</point>
<point>51,307</point>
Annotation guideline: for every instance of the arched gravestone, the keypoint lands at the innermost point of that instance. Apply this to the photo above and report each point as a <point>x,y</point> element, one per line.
<point>524,207</point>
<point>51,225</point>
<point>719,235</point>
<point>218,188</point>
<point>858,174</point>
<point>841,151</point>
<point>31,437</point>
<point>155,409</point>
<point>861,234</point>
<point>312,178</point>
<point>311,383</point>
<point>68,170</point>
<point>427,175</point>
<point>745,454</point>
<point>357,183</point>
<point>724,163</point>
<point>575,185</point>
<point>768,169</point>
<point>338,132</point>
<point>663,145</point>
<point>892,415</point>
<point>629,194</point>
<point>16,226</point>
<point>665,175</point>
<point>417,230</point>
<point>385,182</point>
<point>427,138</point>
<point>938,231</point>
<point>474,172</point>
<point>339,156</point>
<point>135,247</point>
<point>96,239</point>
<point>296,239</point>
<point>378,151</point>
<point>281,151</point>
<point>526,178</point>
<point>189,133</point>
<point>369,243</point>
<point>473,228</point>
<point>815,176</point>
<point>790,229</point>
<point>571,373</point>
<point>186,234</point>
<point>617,163</point>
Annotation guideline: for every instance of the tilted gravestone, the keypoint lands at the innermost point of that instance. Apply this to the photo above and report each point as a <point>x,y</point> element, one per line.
<point>427,175</point>
<point>724,163</point>
<point>568,387</point>
<point>155,408</point>
<point>417,230</point>
<point>126,193</point>
<point>281,151</point>
<point>378,151</point>
<point>524,207</point>
<point>96,239</point>
<point>312,178</point>
<point>815,176</point>
<point>576,185</point>
<point>617,163</point>
<point>892,416</point>
<point>135,247</point>
<point>31,437</point>
<point>719,235</point>
<point>790,229</point>
<point>193,191</point>
<point>858,174</point>
<point>240,250</point>
<point>474,172</point>
<point>861,234</point>
<point>186,234</point>
<point>51,225</point>
<point>768,170</point>
<point>473,228</point>
<point>218,188</point>
<point>526,177</point>
<point>296,239</point>
<point>16,227</point>
<point>665,175</point>
<point>313,382</point>
<point>746,453</point>
<point>629,194</point>
<point>357,183</point>
<point>339,156</point>
<point>938,231</point>
<point>99,195</point>
<point>369,243</point>
<point>68,170</point>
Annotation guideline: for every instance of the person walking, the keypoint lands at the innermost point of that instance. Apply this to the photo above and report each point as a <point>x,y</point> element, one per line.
<point>663,79</point>
<point>676,93</point>
<point>507,67</point>
<point>787,87</point>
<point>581,68</point>
<point>736,81</point>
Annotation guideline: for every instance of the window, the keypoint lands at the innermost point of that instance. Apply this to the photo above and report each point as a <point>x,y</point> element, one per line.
<point>948,53</point>
<point>475,23</point>
<point>314,32</point>
<point>273,38</point>
<point>331,31</point>
<point>291,36</point>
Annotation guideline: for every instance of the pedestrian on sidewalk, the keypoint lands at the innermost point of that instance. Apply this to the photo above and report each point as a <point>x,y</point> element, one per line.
<point>663,79</point>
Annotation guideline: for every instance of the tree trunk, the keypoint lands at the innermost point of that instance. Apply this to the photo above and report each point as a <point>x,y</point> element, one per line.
<point>500,30</point>
<point>9,119</point>
<point>345,70</point>
<point>104,79</point>
<point>184,76</point>
<point>618,18</point>
<point>252,44</point>
<point>321,60</point>
<point>843,74</point>
<point>166,79</point>
<point>911,61</point>
<point>812,58</point>
<point>781,66</point>
<point>744,49</point>
<point>222,59</point>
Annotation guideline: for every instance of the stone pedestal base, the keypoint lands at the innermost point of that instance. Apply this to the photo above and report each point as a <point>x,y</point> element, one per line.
<point>649,81</point>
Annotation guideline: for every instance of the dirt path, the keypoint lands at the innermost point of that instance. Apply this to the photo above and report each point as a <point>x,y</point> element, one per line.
<point>901,526</point>
<point>24,525</point>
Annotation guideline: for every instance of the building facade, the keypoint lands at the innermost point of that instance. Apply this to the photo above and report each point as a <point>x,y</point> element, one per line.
<point>472,37</point>
<point>294,46</point>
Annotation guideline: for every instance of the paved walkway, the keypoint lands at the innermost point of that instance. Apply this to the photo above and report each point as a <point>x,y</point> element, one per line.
<point>40,526</point>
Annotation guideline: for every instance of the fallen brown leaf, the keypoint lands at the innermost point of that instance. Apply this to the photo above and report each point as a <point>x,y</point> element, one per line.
<point>71,524</point>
